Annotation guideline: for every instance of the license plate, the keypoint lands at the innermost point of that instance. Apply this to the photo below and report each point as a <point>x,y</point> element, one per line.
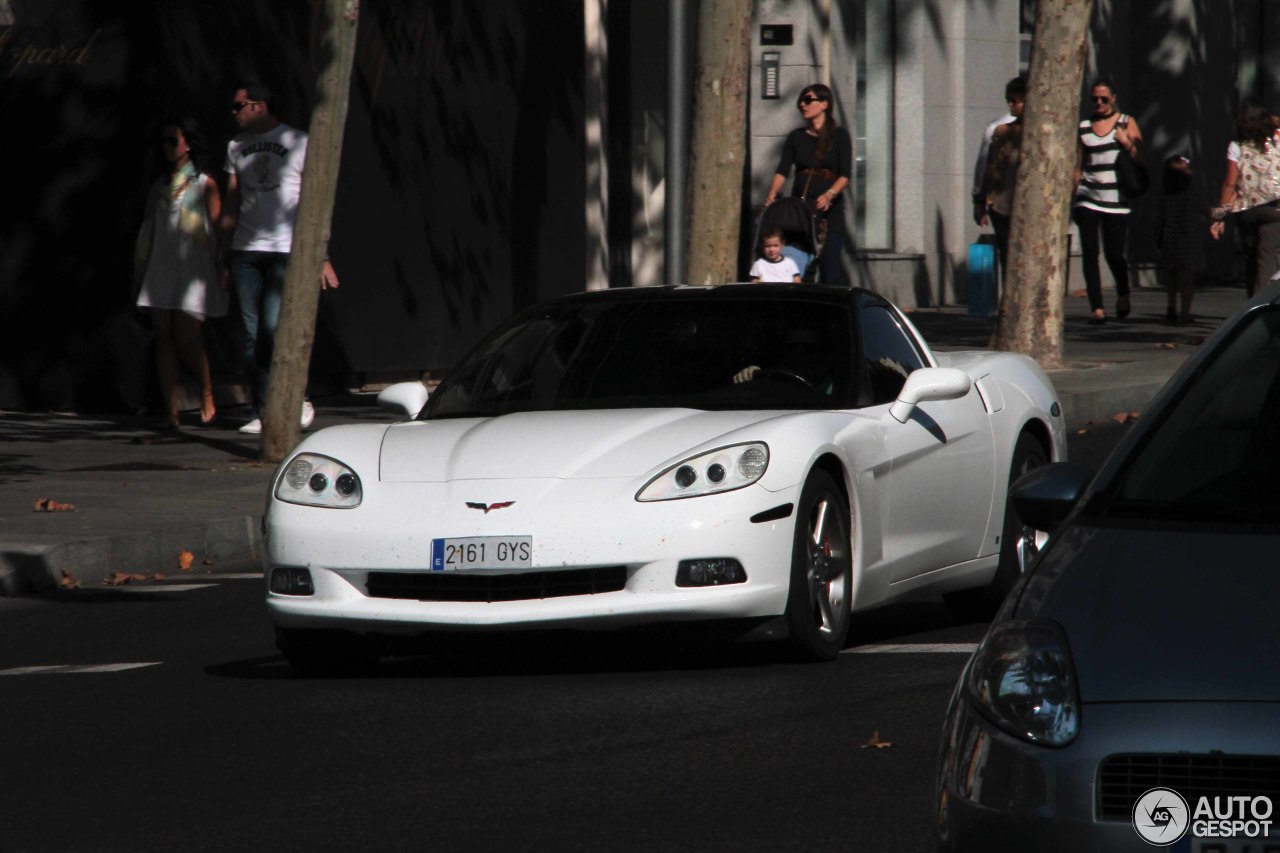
<point>481,552</point>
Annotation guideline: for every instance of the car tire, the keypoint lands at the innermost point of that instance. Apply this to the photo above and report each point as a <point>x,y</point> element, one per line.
<point>819,600</point>
<point>328,653</point>
<point>1016,544</point>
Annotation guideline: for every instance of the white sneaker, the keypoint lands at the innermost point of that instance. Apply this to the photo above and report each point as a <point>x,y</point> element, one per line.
<point>308,414</point>
<point>253,427</point>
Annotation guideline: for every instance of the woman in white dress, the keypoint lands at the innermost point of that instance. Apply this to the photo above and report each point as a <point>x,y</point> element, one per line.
<point>177,276</point>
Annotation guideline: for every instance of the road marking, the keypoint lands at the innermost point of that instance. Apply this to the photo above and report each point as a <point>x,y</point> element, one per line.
<point>67,669</point>
<point>914,649</point>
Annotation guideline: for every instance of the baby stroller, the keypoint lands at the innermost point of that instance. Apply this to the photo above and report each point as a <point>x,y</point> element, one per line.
<point>799,223</point>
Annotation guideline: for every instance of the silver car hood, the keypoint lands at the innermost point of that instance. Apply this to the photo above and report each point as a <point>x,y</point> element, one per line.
<point>1156,615</point>
<point>562,445</point>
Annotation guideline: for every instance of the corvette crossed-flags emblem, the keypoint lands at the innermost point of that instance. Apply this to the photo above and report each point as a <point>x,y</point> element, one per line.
<point>488,507</point>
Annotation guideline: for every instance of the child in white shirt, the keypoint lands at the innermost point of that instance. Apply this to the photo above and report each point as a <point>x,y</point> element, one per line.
<point>774,266</point>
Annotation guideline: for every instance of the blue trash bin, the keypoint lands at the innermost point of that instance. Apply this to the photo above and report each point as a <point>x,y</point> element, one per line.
<point>982,279</point>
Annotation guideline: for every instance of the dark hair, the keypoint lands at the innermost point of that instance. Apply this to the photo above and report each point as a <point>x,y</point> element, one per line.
<point>1017,87</point>
<point>828,132</point>
<point>191,133</point>
<point>1103,81</point>
<point>769,233</point>
<point>1253,122</point>
<point>256,90</point>
<point>1174,181</point>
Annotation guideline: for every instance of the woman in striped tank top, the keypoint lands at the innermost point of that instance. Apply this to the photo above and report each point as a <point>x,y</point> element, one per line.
<point>1098,204</point>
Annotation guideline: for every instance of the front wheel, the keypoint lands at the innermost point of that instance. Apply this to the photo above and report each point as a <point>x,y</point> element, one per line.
<point>819,601</point>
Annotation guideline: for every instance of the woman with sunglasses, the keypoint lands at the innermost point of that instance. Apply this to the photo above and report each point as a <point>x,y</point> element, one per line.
<point>175,272</point>
<point>1099,207</point>
<point>822,155</point>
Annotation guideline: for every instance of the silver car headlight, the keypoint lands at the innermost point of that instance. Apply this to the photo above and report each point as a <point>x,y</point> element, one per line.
<point>707,473</point>
<point>314,480</point>
<point>1022,679</point>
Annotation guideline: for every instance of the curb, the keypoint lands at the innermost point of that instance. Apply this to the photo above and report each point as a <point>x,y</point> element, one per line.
<point>27,569</point>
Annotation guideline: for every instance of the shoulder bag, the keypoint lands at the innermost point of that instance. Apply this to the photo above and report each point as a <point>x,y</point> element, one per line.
<point>1131,176</point>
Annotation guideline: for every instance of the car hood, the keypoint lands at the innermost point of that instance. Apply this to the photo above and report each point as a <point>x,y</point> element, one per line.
<point>563,445</point>
<point>1156,615</point>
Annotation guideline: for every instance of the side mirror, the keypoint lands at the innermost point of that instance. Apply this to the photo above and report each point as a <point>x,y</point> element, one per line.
<point>929,383</point>
<point>404,398</point>
<point>1045,496</point>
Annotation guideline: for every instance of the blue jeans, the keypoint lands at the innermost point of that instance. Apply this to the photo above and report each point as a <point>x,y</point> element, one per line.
<point>259,281</point>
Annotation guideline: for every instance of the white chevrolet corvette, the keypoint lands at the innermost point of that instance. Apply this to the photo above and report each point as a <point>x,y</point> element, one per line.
<point>771,458</point>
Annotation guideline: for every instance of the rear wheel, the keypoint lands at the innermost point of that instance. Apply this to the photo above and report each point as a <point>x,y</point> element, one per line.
<point>818,604</point>
<point>328,653</point>
<point>1017,544</point>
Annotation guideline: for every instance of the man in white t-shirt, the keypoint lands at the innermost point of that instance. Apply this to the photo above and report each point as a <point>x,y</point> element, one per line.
<point>264,179</point>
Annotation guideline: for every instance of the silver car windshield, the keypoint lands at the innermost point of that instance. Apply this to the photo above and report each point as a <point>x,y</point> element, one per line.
<point>1213,454</point>
<point>704,354</point>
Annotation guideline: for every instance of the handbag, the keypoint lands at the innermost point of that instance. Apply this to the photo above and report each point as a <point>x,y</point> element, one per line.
<point>1259,181</point>
<point>1131,176</point>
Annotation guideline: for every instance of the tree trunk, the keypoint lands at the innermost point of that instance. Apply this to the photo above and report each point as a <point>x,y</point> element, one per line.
<point>1031,309</point>
<point>719,140</point>
<point>295,334</point>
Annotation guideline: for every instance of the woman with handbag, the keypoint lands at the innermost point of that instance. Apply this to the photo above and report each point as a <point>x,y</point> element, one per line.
<point>1251,189</point>
<point>1105,139</point>
<point>822,155</point>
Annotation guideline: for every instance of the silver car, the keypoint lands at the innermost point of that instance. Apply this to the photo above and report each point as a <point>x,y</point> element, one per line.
<point>1128,692</point>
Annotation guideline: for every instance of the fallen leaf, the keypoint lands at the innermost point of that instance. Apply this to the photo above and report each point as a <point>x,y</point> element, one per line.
<point>50,505</point>
<point>1166,346</point>
<point>1120,417</point>
<point>876,743</point>
<point>1082,432</point>
<point>68,582</point>
<point>185,559</point>
<point>1133,416</point>
<point>206,562</point>
<point>1079,294</point>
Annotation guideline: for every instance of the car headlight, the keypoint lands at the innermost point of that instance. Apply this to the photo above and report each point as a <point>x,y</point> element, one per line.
<point>707,473</point>
<point>1022,679</point>
<point>314,480</point>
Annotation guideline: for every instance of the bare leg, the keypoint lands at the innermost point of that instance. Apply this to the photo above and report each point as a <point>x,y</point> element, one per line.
<point>166,362</point>
<point>190,345</point>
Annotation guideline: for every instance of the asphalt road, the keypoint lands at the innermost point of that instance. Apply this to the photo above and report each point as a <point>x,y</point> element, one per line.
<point>162,718</point>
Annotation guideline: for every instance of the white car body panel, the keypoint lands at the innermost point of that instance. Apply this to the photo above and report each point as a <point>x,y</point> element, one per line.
<point>926,501</point>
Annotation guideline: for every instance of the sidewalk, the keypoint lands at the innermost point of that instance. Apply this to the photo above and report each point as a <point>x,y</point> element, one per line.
<point>143,497</point>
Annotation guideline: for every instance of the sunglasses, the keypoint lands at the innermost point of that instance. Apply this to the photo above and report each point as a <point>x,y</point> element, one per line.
<point>806,101</point>
<point>237,106</point>
<point>171,140</point>
<point>1097,99</point>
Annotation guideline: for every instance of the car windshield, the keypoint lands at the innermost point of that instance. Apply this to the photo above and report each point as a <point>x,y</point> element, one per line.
<point>714,353</point>
<point>1212,456</point>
